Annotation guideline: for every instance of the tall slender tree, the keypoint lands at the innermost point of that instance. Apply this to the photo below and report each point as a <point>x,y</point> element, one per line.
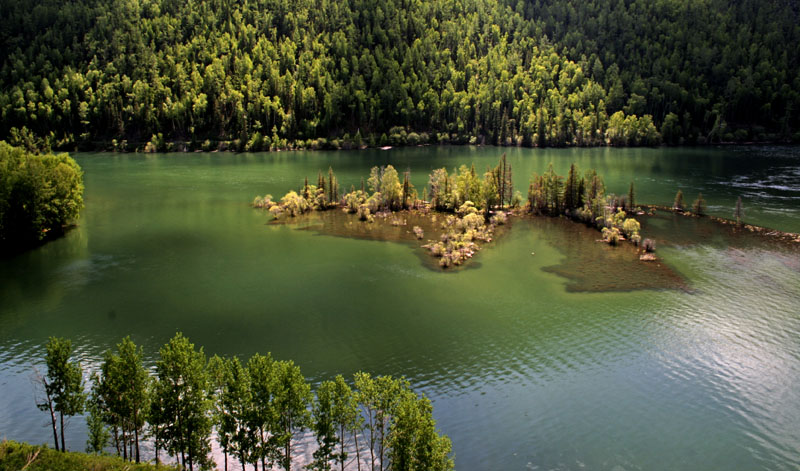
<point>63,386</point>
<point>631,197</point>
<point>291,401</point>
<point>738,211</point>
<point>182,390</point>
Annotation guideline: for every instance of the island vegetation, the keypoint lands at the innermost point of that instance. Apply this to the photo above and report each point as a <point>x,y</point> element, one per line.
<point>40,194</point>
<point>269,74</point>
<point>256,410</point>
<point>469,206</point>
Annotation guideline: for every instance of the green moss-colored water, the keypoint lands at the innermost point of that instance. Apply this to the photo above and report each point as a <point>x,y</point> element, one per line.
<point>543,353</point>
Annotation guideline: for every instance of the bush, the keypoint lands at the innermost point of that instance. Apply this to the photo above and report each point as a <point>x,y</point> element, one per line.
<point>611,235</point>
<point>418,232</point>
<point>631,227</point>
<point>15,456</point>
<point>39,195</point>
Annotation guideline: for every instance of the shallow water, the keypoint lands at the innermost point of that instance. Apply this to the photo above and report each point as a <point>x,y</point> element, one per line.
<point>525,368</point>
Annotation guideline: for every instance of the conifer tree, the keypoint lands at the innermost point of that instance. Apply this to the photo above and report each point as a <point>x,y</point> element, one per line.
<point>738,211</point>
<point>631,197</point>
<point>678,204</point>
<point>699,205</point>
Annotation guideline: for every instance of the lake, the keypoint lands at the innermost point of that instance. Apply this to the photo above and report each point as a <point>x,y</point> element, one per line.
<point>527,368</point>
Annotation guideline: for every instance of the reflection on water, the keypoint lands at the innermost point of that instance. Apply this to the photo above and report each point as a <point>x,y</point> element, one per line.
<point>530,360</point>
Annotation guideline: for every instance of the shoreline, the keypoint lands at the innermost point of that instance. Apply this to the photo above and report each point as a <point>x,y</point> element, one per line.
<point>177,147</point>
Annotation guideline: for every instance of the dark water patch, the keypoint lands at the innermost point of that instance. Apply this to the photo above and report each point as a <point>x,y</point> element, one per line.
<point>680,230</point>
<point>593,266</point>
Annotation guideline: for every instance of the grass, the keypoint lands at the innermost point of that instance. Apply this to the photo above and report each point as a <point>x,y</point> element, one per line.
<point>16,456</point>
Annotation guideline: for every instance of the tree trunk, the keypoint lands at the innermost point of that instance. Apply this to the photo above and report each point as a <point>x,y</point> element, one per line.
<point>116,439</point>
<point>61,417</point>
<point>341,447</point>
<point>52,413</point>
<point>288,447</point>
<point>124,445</point>
<point>358,450</point>
<point>136,437</point>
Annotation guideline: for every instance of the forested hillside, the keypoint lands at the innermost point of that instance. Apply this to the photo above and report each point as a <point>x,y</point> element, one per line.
<point>318,73</point>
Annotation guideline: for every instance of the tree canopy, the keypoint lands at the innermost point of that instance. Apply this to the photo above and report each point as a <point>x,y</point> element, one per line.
<point>317,73</point>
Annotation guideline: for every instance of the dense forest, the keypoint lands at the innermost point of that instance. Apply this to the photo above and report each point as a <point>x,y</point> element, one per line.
<point>265,74</point>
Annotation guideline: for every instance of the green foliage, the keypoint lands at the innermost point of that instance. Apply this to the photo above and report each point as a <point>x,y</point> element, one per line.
<point>21,456</point>
<point>98,433</point>
<point>258,410</point>
<point>292,398</point>
<point>631,227</point>
<point>390,189</point>
<point>39,195</point>
<point>181,406</point>
<point>233,403</point>
<point>270,75</point>
<point>120,395</point>
<point>413,440</point>
<point>63,386</point>
<point>611,235</point>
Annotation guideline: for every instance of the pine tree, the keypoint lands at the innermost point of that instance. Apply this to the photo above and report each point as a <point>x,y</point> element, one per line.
<point>738,211</point>
<point>678,204</point>
<point>631,198</point>
<point>699,205</point>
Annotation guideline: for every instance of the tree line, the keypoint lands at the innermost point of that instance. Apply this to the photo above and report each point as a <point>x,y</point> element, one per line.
<point>256,411</point>
<point>269,74</point>
<point>39,195</point>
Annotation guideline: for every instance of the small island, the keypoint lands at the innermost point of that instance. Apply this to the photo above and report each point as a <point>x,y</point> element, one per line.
<point>462,210</point>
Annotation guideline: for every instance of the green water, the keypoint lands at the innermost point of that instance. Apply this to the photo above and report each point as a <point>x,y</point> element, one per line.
<point>525,371</point>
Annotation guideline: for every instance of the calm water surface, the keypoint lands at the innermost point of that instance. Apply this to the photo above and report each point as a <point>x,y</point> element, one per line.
<point>524,371</point>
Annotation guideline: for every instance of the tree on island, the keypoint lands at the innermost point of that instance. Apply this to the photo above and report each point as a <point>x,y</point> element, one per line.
<point>631,197</point>
<point>738,211</point>
<point>63,386</point>
<point>699,205</point>
<point>678,204</point>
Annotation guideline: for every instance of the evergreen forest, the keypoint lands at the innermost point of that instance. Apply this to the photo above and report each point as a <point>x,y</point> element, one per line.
<point>271,74</point>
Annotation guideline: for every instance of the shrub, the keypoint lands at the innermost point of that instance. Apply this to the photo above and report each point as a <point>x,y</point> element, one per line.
<point>611,235</point>
<point>39,194</point>
<point>418,232</point>
<point>631,227</point>
<point>499,219</point>
<point>364,213</point>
